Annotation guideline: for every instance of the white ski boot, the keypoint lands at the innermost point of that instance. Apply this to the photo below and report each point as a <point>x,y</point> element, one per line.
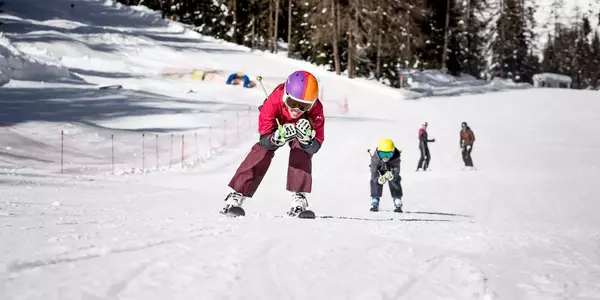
<point>299,204</point>
<point>233,199</point>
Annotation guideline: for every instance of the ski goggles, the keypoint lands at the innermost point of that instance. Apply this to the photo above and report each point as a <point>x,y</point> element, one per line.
<point>383,154</point>
<point>295,104</point>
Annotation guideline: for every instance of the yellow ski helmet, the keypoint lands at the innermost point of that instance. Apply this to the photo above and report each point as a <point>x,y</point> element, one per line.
<point>386,145</point>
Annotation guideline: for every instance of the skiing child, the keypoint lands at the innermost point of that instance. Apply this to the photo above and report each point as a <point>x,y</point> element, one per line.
<point>424,148</point>
<point>467,138</point>
<point>385,167</point>
<point>292,114</point>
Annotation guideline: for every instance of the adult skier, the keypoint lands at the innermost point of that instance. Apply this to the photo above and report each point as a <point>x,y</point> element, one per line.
<point>292,114</point>
<point>424,148</point>
<point>385,167</point>
<point>467,138</point>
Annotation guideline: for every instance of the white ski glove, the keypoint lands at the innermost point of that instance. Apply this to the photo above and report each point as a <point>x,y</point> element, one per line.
<point>304,131</point>
<point>389,176</point>
<point>381,180</point>
<point>284,134</point>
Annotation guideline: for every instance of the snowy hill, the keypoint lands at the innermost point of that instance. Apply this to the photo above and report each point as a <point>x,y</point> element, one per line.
<point>114,193</point>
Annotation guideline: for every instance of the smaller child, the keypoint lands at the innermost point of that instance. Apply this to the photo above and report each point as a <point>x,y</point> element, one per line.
<point>385,167</point>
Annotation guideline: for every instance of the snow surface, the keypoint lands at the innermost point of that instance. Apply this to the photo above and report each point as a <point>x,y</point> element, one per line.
<point>523,226</point>
<point>428,83</point>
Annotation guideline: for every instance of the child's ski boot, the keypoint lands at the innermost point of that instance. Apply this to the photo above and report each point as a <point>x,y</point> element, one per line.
<point>233,205</point>
<point>374,204</point>
<point>299,204</point>
<point>398,205</point>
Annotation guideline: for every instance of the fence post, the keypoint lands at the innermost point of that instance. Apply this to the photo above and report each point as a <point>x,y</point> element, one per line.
<point>182,149</point>
<point>171,155</point>
<point>210,138</point>
<point>197,147</point>
<point>62,142</point>
<point>143,152</point>
<point>112,152</point>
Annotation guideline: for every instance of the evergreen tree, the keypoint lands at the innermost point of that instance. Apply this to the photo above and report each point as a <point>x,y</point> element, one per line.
<point>434,29</point>
<point>366,38</point>
<point>471,40</point>
<point>512,47</point>
<point>595,61</point>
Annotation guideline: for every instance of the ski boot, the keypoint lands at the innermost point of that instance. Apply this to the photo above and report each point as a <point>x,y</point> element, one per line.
<point>398,205</point>
<point>374,204</point>
<point>299,204</point>
<point>233,204</point>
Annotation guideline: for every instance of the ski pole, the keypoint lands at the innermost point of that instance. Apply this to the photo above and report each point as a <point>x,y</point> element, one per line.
<point>259,79</point>
<point>369,151</point>
<point>280,127</point>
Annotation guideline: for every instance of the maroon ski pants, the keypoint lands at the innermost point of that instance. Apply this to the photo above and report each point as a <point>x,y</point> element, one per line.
<point>250,173</point>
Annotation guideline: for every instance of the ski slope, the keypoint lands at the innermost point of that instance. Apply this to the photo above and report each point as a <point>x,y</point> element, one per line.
<point>523,226</point>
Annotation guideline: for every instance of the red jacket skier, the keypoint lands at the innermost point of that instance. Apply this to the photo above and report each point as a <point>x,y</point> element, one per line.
<point>292,115</point>
<point>424,147</point>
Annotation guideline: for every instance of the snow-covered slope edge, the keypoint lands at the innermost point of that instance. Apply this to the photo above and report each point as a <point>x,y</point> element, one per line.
<point>19,66</point>
<point>430,82</point>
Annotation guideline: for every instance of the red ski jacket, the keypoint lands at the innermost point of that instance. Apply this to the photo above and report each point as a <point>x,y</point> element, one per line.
<point>274,109</point>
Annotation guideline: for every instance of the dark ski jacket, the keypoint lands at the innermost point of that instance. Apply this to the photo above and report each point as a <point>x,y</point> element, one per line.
<point>423,138</point>
<point>467,137</point>
<point>379,167</point>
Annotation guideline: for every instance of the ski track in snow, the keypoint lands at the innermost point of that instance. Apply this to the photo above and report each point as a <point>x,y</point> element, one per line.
<point>523,226</point>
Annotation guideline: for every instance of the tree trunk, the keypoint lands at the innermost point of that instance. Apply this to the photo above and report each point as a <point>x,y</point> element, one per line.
<point>446,29</point>
<point>378,53</point>
<point>336,54</point>
<point>409,26</point>
<point>276,26</point>
<point>234,25</point>
<point>352,39</point>
<point>350,47</point>
<point>502,37</point>
<point>289,38</point>
<point>378,57</point>
<point>270,32</point>
<point>253,42</point>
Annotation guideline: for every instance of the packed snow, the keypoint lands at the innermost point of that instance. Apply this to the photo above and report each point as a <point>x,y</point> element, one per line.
<point>113,174</point>
<point>427,83</point>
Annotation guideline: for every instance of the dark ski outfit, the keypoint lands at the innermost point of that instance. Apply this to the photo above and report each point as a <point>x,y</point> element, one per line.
<point>467,138</point>
<point>424,148</point>
<point>379,168</point>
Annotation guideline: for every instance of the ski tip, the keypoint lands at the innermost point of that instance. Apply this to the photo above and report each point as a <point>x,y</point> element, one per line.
<point>236,212</point>
<point>307,214</point>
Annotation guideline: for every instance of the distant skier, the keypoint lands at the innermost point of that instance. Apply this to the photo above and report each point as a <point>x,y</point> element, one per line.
<point>291,115</point>
<point>385,167</point>
<point>424,148</point>
<point>467,138</point>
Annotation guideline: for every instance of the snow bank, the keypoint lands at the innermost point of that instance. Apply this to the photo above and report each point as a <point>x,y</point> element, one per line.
<point>4,71</point>
<point>551,80</point>
<point>418,84</point>
<point>20,66</point>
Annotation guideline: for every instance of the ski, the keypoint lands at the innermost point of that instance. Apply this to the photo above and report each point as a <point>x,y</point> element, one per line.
<point>234,211</point>
<point>306,214</point>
